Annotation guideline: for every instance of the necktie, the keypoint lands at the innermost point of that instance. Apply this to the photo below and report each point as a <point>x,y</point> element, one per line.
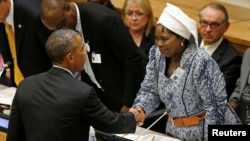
<point>17,73</point>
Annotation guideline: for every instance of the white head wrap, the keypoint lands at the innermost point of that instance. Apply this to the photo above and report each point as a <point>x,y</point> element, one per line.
<point>177,21</point>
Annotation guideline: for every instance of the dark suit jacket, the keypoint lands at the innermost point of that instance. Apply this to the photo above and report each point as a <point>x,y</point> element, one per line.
<point>30,37</point>
<point>121,69</point>
<point>146,44</point>
<point>54,106</point>
<point>229,61</point>
<point>110,5</point>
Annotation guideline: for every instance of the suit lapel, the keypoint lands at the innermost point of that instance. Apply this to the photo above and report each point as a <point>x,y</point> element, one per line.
<point>4,45</point>
<point>19,29</point>
<point>219,51</point>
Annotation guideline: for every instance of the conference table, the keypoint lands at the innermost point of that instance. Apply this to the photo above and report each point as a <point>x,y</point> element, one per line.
<point>150,135</point>
<point>141,134</point>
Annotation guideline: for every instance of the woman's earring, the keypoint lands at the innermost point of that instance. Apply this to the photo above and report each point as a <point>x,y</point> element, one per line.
<point>182,44</point>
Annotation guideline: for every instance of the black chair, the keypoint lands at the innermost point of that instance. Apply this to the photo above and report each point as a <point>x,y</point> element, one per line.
<point>242,110</point>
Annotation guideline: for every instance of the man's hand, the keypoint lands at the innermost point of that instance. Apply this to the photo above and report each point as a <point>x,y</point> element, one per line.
<point>7,73</point>
<point>233,104</point>
<point>139,115</point>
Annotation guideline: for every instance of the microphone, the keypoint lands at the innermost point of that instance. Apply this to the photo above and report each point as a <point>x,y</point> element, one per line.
<point>152,124</point>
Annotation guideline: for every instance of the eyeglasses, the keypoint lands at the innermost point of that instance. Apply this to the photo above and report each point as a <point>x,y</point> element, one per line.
<point>134,14</point>
<point>213,25</point>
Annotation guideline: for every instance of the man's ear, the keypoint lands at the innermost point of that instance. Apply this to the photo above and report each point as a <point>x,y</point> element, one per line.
<point>69,56</point>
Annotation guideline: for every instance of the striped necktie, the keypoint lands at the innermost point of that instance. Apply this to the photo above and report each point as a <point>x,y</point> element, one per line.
<point>11,38</point>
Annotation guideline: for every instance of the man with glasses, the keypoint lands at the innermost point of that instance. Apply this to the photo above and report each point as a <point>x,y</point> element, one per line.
<point>213,24</point>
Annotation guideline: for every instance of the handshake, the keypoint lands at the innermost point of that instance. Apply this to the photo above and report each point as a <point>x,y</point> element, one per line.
<point>139,115</point>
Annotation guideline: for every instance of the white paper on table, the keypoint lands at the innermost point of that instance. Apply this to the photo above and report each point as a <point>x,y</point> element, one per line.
<point>147,137</point>
<point>153,137</point>
<point>128,136</point>
<point>7,95</point>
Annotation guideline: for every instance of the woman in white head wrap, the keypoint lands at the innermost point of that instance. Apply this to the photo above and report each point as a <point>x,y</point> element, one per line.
<point>185,78</point>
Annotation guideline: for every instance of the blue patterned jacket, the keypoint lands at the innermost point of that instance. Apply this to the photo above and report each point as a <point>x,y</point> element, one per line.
<point>200,86</point>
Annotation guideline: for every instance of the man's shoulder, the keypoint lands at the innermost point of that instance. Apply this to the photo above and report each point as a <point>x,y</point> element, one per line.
<point>228,48</point>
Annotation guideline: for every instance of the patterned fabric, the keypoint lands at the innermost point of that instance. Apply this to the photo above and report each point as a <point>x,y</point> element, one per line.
<point>200,87</point>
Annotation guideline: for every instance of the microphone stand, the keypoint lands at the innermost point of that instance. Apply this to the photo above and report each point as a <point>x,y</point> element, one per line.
<point>151,125</point>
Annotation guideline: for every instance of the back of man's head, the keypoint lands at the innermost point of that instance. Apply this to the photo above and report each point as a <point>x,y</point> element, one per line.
<point>59,43</point>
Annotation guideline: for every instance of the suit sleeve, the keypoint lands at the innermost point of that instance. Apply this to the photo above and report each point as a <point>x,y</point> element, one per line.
<point>16,129</point>
<point>236,93</point>
<point>242,80</point>
<point>101,118</point>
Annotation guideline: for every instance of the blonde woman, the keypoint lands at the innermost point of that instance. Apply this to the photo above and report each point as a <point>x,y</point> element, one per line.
<point>139,19</point>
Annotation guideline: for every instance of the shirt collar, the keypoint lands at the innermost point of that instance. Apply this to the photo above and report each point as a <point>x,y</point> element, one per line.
<point>78,19</point>
<point>56,66</point>
<point>10,17</point>
<point>211,47</point>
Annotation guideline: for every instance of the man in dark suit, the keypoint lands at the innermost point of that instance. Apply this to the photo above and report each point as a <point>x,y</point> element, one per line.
<point>54,106</point>
<point>30,37</point>
<point>115,63</point>
<point>213,24</point>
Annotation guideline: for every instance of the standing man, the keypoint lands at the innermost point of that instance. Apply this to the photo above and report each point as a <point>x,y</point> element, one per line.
<point>213,24</point>
<point>114,65</point>
<point>58,107</point>
<point>22,39</point>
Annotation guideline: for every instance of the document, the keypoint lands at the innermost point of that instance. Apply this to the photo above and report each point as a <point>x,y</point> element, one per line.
<point>7,95</point>
<point>147,137</point>
<point>153,137</point>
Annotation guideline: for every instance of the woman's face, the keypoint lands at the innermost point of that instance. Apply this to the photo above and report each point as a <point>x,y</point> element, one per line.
<point>135,17</point>
<point>168,43</point>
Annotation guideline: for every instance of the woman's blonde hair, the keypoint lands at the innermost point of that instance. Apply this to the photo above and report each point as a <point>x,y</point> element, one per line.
<point>146,7</point>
